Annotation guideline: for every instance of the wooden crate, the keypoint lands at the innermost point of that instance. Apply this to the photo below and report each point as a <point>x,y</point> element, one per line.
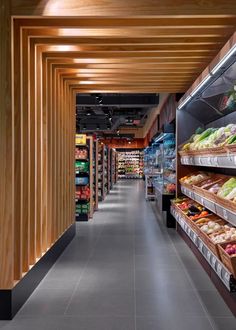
<point>207,240</point>
<point>227,260</point>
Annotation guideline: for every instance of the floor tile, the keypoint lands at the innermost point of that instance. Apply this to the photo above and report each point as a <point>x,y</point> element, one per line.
<point>224,323</point>
<point>214,304</point>
<point>97,323</point>
<point>102,303</point>
<point>168,303</point>
<point>173,323</point>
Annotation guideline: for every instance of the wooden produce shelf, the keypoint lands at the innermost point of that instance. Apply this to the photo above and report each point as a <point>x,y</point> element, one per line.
<point>216,208</point>
<point>222,272</point>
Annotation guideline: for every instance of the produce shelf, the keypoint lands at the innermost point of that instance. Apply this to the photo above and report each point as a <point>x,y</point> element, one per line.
<point>223,273</point>
<point>216,208</point>
<point>221,161</point>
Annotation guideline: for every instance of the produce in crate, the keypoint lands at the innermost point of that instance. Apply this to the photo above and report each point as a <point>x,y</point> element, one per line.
<point>228,190</point>
<point>231,249</point>
<point>194,178</point>
<point>212,138</point>
<point>226,234</point>
<point>211,227</point>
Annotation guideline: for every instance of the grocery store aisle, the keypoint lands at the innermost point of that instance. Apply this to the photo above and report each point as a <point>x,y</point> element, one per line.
<point>125,271</point>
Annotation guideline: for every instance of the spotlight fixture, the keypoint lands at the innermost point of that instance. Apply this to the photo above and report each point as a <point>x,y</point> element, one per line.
<point>89,113</point>
<point>118,132</point>
<point>129,142</point>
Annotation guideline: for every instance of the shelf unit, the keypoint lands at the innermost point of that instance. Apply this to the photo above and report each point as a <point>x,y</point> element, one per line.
<point>101,179</point>
<point>83,178</point>
<point>209,105</point>
<point>130,164</point>
<point>95,174</point>
<point>222,272</point>
<point>112,167</point>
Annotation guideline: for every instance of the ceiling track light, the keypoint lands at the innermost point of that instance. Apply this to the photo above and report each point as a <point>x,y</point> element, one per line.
<point>216,68</point>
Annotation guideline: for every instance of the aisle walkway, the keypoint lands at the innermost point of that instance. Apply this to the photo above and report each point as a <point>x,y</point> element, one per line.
<point>125,271</point>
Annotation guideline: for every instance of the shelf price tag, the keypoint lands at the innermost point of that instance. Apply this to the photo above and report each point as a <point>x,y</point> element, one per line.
<point>209,161</point>
<point>202,201</point>
<point>234,160</point>
<point>213,261</point>
<point>219,269</point>
<point>215,161</point>
<point>195,238</point>
<point>200,246</point>
<point>226,277</point>
<point>225,214</point>
<point>208,255</point>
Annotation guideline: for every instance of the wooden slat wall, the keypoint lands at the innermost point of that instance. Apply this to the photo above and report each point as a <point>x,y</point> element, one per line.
<point>42,206</point>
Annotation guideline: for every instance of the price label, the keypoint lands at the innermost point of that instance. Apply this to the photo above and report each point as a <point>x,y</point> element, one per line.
<point>234,160</point>
<point>219,269</point>
<point>213,261</point>
<point>215,161</point>
<point>200,160</point>
<point>226,277</point>
<point>195,238</point>
<point>208,255</point>
<point>200,246</point>
<point>225,214</point>
<point>202,201</point>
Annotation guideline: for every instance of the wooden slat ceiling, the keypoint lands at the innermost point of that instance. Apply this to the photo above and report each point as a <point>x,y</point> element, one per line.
<point>129,54</point>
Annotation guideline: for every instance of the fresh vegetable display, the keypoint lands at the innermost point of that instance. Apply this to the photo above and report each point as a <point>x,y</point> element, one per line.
<point>193,179</point>
<point>226,234</point>
<point>231,249</point>
<point>212,138</point>
<point>228,190</point>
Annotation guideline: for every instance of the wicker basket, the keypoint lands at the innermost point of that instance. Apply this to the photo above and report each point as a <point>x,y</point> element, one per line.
<point>227,260</point>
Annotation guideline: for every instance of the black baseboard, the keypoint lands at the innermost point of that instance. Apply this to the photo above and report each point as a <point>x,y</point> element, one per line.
<point>13,299</point>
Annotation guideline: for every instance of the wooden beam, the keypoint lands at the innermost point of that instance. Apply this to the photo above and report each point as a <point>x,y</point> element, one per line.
<point>128,8</point>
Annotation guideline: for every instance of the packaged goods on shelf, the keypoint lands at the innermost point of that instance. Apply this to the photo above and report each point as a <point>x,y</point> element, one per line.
<point>81,180</point>
<point>130,164</point>
<point>81,153</point>
<point>81,166</point>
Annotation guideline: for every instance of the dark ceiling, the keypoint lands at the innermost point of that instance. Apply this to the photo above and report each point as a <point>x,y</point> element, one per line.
<point>107,113</point>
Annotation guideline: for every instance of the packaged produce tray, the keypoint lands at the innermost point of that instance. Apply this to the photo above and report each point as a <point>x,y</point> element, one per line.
<point>228,260</point>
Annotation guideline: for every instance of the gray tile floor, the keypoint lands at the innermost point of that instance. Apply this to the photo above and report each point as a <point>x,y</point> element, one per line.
<point>125,271</point>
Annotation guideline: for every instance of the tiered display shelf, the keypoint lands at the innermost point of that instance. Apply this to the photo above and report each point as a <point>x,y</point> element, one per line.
<point>95,174</point>
<point>212,110</point>
<point>130,164</point>
<point>217,266</point>
<point>83,178</point>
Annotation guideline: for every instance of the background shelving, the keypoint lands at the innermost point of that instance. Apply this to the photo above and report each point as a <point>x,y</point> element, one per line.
<point>84,179</point>
<point>130,164</point>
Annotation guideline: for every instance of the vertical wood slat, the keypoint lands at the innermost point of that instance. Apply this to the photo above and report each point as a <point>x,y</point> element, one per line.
<point>17,155</point>
<point>44,147</point>
<point>32,147</point>
<point>49,155</point>
<point>38,150</point>
<point>25,155</point>
<point>6,151</point>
